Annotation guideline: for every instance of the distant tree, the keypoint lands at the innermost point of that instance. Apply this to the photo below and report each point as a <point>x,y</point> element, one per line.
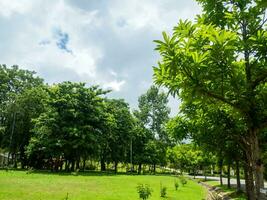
<point>153,114</point>
<point>119,137</point>
<point>69,127</point>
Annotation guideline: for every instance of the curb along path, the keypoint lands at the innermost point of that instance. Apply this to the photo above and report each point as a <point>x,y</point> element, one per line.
<point>215,193</point>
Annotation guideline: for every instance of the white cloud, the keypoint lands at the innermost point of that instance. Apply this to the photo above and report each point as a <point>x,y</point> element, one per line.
<point>114,85</point>
<point>136,14</point>
<point>8,8</point>
<point>110,44</point>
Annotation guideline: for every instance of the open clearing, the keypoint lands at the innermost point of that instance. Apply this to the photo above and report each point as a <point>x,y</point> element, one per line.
<point>18,185</point>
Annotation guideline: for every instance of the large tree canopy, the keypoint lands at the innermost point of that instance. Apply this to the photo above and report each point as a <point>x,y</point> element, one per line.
<point>221,59</point>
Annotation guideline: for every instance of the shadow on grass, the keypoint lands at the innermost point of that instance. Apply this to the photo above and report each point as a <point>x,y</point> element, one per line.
<point>86,173</point>
<point>232,192</point>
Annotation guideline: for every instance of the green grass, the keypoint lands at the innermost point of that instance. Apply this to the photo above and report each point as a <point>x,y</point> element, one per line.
<point>18,185</point>
<point>230,191</point>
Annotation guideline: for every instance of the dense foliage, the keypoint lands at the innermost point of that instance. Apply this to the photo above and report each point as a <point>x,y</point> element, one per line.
<point>217,66</point>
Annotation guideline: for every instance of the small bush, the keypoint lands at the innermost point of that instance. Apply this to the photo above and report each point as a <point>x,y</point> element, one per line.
<point>76,173</point>
<point>90,167</point>
<point>183,180</point>
<point>30,170</point>
<point>176,185</point>
<point>144,191</point>
<point>6,168</point>
<point>67,197</point>
<point>163,191</point>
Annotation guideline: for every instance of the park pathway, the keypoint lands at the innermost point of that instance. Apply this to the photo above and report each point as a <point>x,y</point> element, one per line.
<point>233,181</point>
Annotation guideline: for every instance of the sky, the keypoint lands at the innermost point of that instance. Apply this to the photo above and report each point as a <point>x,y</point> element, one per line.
<point>103,42</point>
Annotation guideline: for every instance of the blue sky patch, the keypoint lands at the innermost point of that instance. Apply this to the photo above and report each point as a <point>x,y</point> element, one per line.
<point>62,40</point>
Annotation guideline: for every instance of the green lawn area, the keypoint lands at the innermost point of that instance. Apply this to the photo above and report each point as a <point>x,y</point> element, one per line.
<point>18,185</point>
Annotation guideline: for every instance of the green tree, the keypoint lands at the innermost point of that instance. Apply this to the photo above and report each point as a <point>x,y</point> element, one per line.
<point>222,58</point>
<point>119,137</point>
<point>17,89</point>
<point>153,114</point>
<point>69,127</point>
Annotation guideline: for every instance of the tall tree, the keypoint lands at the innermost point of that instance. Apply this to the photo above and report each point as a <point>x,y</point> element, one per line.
<point>153,114</point>
<point>222,58</point>
<point>17,87</point>
<point>70,125</point>
<point>119,138</point>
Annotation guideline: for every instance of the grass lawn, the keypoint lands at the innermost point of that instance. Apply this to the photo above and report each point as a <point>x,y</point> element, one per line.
<point>18,185</point>
<point>231,192</point>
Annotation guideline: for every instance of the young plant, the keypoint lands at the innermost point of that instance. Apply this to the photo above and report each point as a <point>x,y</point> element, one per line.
<point>144,191</point>
<point>183,180</point>
<point>176,185</point>
<point>67,197</point>
<point>76,173</point>
<point>163,191</point>
<point>30,171</point>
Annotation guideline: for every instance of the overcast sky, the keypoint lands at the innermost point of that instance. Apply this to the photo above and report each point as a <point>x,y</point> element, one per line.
<point>105,42</point>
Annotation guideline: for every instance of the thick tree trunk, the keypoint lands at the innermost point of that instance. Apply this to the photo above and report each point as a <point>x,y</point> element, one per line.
<point>254,167</point>
<point>249,181</point>
<point>139,168</point>
<point>229,175</point>
<point>238,183</point>
<point>258,170</point>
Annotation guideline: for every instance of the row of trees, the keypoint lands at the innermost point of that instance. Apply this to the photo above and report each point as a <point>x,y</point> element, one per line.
<point>66,124</point>
<point>217,67</point>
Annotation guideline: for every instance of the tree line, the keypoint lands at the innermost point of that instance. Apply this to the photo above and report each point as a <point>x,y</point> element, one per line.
<point>62,126</point>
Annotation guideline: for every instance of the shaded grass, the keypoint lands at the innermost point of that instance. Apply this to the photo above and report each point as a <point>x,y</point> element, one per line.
<point>231,192</point>
<point>18,185</point>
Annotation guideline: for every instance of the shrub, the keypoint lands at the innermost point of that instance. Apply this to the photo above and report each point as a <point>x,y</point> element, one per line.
<point>67,197</point>
<point>76,173</point>
<point>176,185</point>
<point>30,170</point>
<point>144,191</point>
<point>163,191</point>
<point>183,180</point>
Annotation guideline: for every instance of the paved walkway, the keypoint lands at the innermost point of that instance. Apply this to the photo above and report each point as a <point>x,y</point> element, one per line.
<point>233,181</point>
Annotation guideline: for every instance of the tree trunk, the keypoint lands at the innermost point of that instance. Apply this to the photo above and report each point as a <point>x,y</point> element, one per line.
<point>154,168</point>
<point>258,170</point>
<point>116,167</point>
<point>84,162</point>
<point>254,167</point>
<point>78,164</point>
<point>249,181</point>
<point>139,168</point>
<point>67,164</point>
<point>229,175</point>
<point>103,165</point>
<point>238,183</point>
<point>72,165</point>
<point>205,174</point>
<point>220,170</point>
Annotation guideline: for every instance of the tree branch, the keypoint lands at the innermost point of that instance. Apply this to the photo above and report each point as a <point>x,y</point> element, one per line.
<point>258,80</point>
<point>216,96</point>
